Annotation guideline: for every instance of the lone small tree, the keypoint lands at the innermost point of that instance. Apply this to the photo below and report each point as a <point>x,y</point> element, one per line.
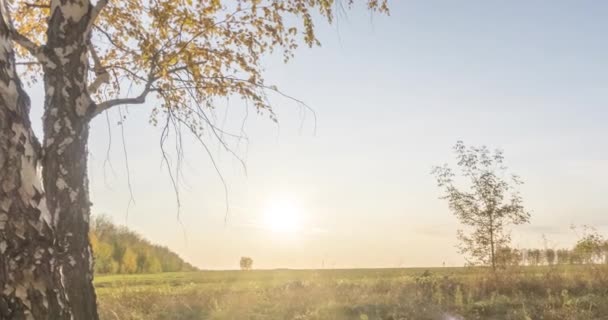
<point>487,203</point>
<point>246,263</point>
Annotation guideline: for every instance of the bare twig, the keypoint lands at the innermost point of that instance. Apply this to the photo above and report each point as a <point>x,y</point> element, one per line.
<point>163,138</point>
<point>107,161</point>
<point>124,148</point>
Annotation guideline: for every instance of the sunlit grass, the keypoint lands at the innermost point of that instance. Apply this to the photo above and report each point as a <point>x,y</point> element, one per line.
<point>565,292</point>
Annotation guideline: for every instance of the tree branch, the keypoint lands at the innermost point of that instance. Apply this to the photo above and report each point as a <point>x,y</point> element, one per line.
<point>37,5</point>
<point>141,98</point>
<point>108,37</point>
<point>23,41</point>
<point>101,73</point>
<point>20,39</point>
<point>96,11</point>
<point>27,63</point>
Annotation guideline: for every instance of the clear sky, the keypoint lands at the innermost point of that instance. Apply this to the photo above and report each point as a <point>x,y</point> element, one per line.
<point>392,95</point>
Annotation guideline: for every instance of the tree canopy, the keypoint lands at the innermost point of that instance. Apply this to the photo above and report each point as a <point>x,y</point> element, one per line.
<point>186,53</point>
<point>246,263</point>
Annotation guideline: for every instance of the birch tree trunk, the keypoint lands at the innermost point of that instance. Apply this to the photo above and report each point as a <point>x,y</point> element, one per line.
<point>30,276</point>
<point>68,111</point>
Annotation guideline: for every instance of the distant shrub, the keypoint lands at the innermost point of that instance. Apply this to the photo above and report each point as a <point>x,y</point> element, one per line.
<point>246,263</point>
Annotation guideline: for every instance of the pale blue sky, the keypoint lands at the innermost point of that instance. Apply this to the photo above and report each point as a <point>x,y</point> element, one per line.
<point>392,95</point>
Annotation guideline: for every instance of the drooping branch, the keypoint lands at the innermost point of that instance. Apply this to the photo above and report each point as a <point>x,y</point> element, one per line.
<point>174,178</point>
<point>213,162</point>
<point>202,115</point>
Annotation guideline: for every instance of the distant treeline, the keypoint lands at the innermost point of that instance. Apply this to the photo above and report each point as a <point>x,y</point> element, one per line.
<point>119,250</point>
<point>590,249</point>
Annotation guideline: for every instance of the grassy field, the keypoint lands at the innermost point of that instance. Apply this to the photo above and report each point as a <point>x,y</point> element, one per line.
<point>566,292</point>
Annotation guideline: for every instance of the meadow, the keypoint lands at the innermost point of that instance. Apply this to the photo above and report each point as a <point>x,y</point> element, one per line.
<point>546,292</point>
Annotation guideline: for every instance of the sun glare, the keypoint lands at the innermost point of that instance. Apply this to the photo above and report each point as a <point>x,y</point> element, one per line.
<point>282,216</point>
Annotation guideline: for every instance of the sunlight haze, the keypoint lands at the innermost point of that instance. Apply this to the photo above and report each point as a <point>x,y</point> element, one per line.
<point>391,96</point>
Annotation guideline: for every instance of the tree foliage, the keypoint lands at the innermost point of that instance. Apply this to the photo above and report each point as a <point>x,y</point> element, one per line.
<point>487,203</point>
<point>188,53</point>
<point>508,257</point>
<point>120,250</point>
<point>592,247</point>
<point>246,263</point>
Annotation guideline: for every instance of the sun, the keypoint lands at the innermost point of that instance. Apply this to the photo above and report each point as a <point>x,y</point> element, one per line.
<point>282,216</point>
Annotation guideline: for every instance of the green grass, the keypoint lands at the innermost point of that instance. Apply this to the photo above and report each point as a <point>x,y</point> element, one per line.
<point>567,292</point>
